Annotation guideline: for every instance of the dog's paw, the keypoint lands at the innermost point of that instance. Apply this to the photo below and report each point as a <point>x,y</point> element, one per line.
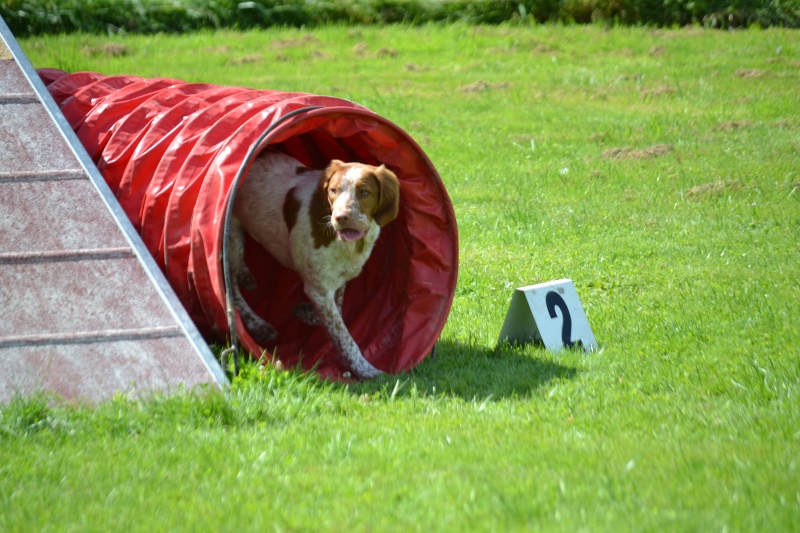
<point>261,332</point>
<point>364,370</point>
<point>305,312</point>
<point>246,280</point>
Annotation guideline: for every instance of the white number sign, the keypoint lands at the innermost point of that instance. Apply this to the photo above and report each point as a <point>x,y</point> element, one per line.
<point>550,313</point>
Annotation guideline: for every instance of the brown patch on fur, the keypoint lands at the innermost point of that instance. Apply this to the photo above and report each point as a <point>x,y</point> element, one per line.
<point>320,211</point>
<point>369,199</point>
<point>646,153</point>
<point>291,206</point>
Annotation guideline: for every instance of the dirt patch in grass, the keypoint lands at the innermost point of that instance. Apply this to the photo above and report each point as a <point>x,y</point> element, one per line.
<point>734,125</point>
<point>361,49</point>
<point>622,52</point>
<point>661,90</point>
<point>291,43</point>
<point>502,50</point>
<point>482,86</point>
<point>217,49</point>
<point>387,52</point>
<point>413,67</point>
<point>714,188</point>
<point>751,73</point>
<point>657,150</point>
<point>111,49</point>
<point>543,49</point>
<point>245,60</point>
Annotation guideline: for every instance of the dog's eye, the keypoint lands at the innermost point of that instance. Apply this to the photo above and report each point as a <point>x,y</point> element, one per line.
<point>333,191</point>
<point>363,193</point>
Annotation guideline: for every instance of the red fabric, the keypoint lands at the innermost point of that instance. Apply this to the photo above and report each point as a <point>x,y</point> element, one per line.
<point>170,151</point>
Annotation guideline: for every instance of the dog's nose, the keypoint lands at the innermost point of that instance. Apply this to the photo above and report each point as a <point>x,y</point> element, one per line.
<point>341,217</point>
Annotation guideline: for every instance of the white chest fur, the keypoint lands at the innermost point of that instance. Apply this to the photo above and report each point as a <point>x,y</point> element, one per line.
<point>331,266</point>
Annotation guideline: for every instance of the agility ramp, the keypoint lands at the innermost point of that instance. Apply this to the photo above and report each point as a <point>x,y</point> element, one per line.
<point>86,312</point>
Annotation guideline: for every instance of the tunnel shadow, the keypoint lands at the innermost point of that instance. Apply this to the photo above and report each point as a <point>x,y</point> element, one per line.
<point>474,372</point>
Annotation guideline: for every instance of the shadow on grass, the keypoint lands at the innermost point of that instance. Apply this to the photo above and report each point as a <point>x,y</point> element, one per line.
<point>472,372</point>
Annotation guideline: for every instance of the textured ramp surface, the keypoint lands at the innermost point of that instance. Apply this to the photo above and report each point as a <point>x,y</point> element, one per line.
<point>86,313</point>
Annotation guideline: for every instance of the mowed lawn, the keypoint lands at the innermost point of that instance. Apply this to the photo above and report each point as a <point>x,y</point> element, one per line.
<point>657,169</point>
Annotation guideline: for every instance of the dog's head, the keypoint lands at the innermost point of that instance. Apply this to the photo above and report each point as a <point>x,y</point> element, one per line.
<point>358,194</point>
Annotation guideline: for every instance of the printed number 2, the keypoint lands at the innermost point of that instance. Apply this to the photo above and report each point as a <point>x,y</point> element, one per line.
<point>553,300</point>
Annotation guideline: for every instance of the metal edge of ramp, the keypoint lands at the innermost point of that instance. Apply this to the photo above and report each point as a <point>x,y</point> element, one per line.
<point>153,274</point>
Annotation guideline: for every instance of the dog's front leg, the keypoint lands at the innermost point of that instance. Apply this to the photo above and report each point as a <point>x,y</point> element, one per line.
<point>306,313</point>
<point>330,318</point>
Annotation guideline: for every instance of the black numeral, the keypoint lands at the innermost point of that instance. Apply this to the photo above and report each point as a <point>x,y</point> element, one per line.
<point>553,300</point>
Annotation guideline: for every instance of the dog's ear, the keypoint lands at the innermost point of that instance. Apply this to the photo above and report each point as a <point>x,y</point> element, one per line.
<point>324,181</point>
<point>389,196</point>
<point>334,166</point>
<point>320,203</point>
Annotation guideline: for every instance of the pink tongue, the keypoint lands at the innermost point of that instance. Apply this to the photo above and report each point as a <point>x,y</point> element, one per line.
<point>351,235</point>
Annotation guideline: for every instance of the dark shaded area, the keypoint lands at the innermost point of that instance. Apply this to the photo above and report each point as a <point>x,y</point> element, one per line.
<point>472,372</point>
<point>33,17</point>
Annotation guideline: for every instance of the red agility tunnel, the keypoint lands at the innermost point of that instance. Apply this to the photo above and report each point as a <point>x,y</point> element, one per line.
<point>174,153</point>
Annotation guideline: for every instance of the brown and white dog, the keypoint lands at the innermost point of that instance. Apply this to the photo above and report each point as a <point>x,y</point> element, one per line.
<point>322,224</point>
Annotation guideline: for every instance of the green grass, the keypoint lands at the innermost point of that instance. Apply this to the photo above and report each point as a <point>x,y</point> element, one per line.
<point>687,264</point>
